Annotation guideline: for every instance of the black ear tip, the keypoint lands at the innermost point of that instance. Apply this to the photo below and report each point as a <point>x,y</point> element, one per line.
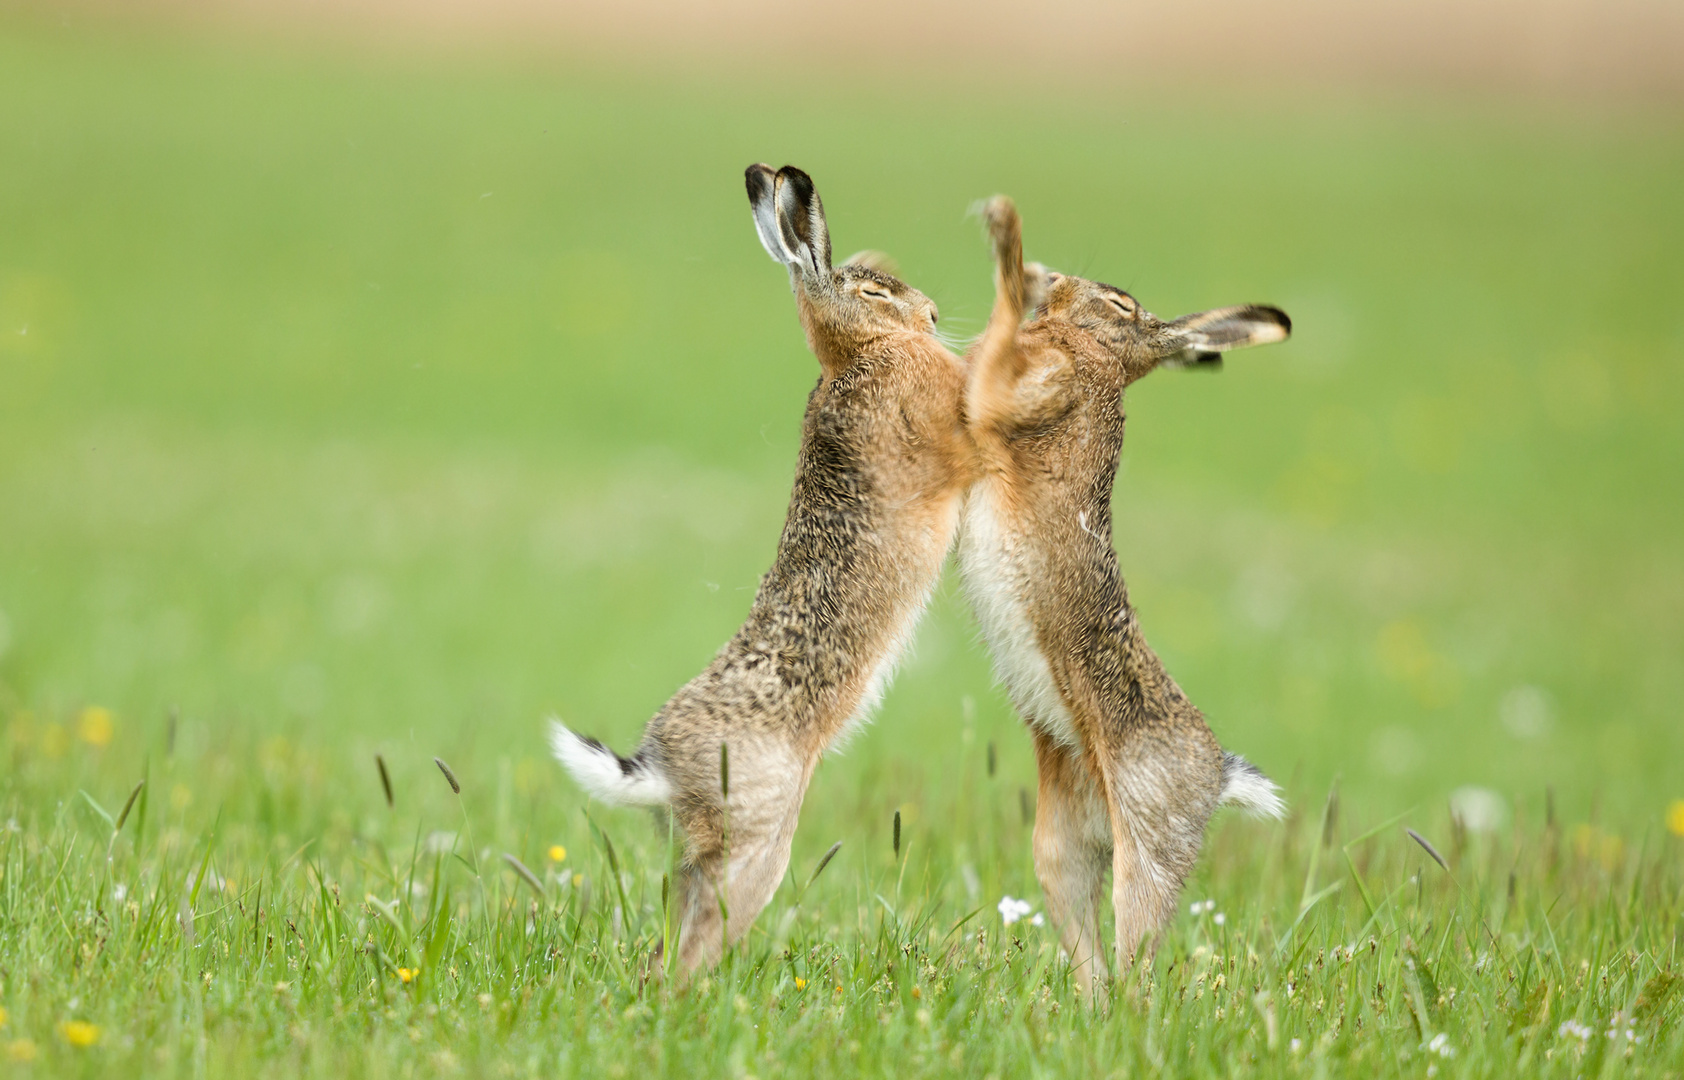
<point>1207,361</point>
<point>799,182</point>
<point>1281,318</point>
<point>759,180</point>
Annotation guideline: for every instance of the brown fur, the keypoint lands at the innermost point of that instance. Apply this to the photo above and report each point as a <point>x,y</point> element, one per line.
<point>1130,773</point>
<point>883,465</point>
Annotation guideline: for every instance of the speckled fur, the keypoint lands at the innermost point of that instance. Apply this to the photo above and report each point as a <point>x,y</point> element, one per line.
<point>883,466</point>
<point>1130,773</point>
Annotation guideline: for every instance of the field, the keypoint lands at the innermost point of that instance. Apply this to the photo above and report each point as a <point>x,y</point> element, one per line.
<point>356,407</point>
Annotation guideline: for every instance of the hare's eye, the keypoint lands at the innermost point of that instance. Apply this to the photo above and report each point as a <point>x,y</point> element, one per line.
<point>1123,307</point>
<point>874,292</point>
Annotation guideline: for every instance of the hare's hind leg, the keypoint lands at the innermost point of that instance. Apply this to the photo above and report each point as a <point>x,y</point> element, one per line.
<point>1141,899</point>
<point>1072,847</point>
<point>1161,794</point>
<point>741,856</point>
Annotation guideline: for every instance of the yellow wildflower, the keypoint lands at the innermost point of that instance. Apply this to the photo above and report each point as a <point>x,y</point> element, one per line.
<point>407,974</point>
<point>1675,817</point>
<point>4,1016</point>
<point>94,727</point>
<point>558,853</point>
<point>21,1051</point>
<point>79,1033</point>
<point>800,983</point>
<point>578,880</point>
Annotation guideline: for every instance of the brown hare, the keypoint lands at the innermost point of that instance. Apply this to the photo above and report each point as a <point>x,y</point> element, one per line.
<point>882,472</point>
<point>1129,773</point>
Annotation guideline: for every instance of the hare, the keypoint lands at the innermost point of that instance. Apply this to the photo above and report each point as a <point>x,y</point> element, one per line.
<point>1129,772</point>
<point>883,468</point>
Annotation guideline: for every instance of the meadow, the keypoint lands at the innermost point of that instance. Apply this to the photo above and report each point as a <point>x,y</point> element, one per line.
<point>358,410</point>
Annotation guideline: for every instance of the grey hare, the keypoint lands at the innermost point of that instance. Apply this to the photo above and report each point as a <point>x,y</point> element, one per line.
<point>1129,771</point>
<point>883,467</point>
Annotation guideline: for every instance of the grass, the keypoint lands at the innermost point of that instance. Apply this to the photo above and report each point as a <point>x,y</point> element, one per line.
<point>353,408</point>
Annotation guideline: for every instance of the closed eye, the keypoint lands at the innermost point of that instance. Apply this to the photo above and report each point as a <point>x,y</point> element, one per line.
<point>874,293</point>
<point>1123,307</point>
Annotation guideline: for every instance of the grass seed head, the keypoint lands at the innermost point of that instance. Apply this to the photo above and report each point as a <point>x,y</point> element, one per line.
<point>127,806</point>
<point>386,779</point>
<point>824,861</point>
<point>524,874</point>
<point>1429,849</point>
<point>448,775</point>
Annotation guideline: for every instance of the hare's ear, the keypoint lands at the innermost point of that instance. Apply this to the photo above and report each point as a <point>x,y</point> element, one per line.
<point>1198,340</point>
<point>801,224</point>
<point>762,193</point>
<point>873,260</point>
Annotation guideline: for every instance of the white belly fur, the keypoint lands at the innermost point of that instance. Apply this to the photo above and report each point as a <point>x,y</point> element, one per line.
<point>994,582</point>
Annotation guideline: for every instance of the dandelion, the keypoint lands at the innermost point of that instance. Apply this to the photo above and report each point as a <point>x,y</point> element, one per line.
<point>79,1033</point>
<point>21,1051</point>
<point>94,726</point>
<point>557,853</point>
<point>1013,909</point>
<point>407,975</point>
<point>800,983</point>
<point>1675,817</point>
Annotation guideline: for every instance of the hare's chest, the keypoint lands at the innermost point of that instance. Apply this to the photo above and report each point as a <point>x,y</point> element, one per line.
<point>992,564</point>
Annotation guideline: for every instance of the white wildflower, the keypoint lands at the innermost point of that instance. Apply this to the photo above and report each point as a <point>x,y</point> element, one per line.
<point>1013,909</point>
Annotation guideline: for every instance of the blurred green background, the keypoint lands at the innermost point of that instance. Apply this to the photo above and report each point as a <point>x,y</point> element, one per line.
<point>395,402</point>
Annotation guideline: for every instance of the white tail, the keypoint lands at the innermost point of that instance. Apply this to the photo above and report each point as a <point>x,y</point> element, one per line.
<point>605,775</point>
<point>1245,786</point>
